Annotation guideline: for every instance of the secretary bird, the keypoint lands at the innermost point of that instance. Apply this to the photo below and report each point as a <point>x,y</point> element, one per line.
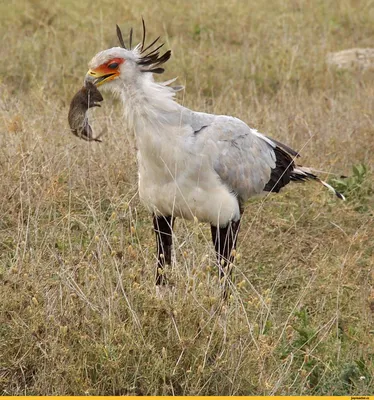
<point>191,164</point>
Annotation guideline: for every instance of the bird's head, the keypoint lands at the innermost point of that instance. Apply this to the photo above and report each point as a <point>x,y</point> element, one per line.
<point>116,67</point>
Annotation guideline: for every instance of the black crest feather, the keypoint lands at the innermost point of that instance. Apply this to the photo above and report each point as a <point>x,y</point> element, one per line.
<point>130,39</point>
<point>144,33</point>
<point>120,38</point>
<point>151,61</point>
<point>156,70</point>
<point>149,46</point>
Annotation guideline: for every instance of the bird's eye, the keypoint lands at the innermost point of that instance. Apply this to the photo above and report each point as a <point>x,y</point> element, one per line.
<point>113,65</point>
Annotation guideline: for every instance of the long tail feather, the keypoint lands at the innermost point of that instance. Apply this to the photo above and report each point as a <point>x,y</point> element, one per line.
<point>302,174</point>
<point>338,194</point>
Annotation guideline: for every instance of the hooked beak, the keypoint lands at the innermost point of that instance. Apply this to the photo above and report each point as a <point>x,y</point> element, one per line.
<point>98,77</point>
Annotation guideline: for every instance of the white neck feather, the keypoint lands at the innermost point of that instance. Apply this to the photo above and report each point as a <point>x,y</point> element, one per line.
<point>148,102</point>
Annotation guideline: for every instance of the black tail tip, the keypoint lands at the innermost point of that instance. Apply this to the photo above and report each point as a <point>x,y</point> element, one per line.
<point>339,195</point>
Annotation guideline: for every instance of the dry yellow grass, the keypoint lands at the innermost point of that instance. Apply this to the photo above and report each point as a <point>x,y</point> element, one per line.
<point>79,312</point>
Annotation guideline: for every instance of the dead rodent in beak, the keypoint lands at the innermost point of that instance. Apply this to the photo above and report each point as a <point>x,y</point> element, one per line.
<point>88,97</point>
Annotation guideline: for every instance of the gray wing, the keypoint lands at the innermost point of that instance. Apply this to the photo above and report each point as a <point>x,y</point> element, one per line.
<point>244,161</point>
<point>243,158</point>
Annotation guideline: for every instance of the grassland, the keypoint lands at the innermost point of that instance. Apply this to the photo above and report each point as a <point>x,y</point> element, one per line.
<point>79,311</point>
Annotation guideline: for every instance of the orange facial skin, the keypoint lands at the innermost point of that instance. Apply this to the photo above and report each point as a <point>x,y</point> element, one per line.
<point>106,72</point>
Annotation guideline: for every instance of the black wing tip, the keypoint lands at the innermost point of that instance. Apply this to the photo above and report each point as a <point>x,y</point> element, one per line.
<point>282,173</point>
